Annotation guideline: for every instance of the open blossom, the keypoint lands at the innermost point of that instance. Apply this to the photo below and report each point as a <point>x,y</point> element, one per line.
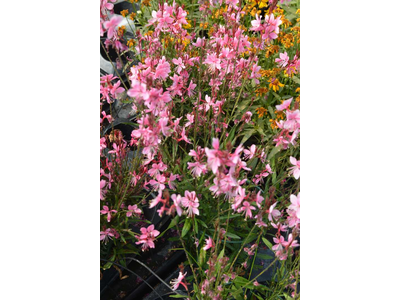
<point>249,154</point>
<point>256,24</point>
<point>108,233</point>
<point>179,63</point>
<point>162,69</point>
<point>110,25</point>
<point>284,105</point>
<point>247,208</point>
<point>177,199</point>
<point>209,244</point>
<point>213,156</point>
<point>197,168</point>
<point>191,203</point>
<point>296,169</point>
<point>273,213</point>
<point>107,211</point>
<point>147,237</point>
<point>295,206</point>
<point>213,61</point>
<point>283,59</point>
<point>133,209</point>
<point>176,282</point>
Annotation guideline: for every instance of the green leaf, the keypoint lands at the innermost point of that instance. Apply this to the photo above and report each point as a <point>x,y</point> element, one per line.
<point>264,256</point>
<point>296,79</point>
<point>203,224</point>
<point>186,227</point>
<point>276,95</point>
<point>271,111</point>
<point>274,151</point>
<point>232,235</point>
<point>178,296</point>
<point>173,222</point>
<point>247,135</point>
<point>196,227</point>
<point>266,242</point>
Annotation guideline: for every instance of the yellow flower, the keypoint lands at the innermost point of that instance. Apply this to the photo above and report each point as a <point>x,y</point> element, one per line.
<point>121,30</point>
<point>131,43</point>
<point>275,84</point>
<point>261,111</point>
<point>261,91</point>
<point>188,25</point>
<point>273,124</point>
<point>132,16</point>
<point>124,12</point>
<point>146,2</point>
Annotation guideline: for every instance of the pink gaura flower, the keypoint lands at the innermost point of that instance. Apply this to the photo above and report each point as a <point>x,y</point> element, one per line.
<point>249,154</point>
<point>177,203</point>
<point>156,200</point>
<point>295,206</point>
<point>247,208</point>
<point>296,169</point>
<point>107,211</point>
<point>213,61</point>
<point>283,60</point>
<point>284,105</point>
<point>147,237</point>
<point>273,213</point>
<point>176,282</point>
<point>209,244</point>
<point>279,243</point>
<point>191,88</point>
<point>156,168</point>
<point>179,63</point>
<point>162,69</point>
<point>213,156</point>
<point>133,209</point>
<point>256,24</point>
<point>197,168</point>
<point>191,203</point>
<point>110,25</point>
<point>108,233</point>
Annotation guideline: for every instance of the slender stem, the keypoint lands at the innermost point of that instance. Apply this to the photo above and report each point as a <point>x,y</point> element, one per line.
<point>116,71</point>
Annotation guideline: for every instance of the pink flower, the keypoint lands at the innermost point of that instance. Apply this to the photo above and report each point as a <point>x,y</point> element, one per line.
<point>213,61</point>
<point>133,209</point>
<point>256,24</point>
<point>283,60</point>
<point>156,200</point>
<point>108,233</point>
<point>197,168</point>
<point>179,63</point>
<point>176,282</point>
<point>209,244</point>
<point>110,25</point>
<point>177,203</point>
<point>295,206</point>
<point>284,105</point>
<point>241,195</point>
<point>296,169</point>
<point>213,158</point>
<point>247,208</point>
<point>273,213</point>
<point>279,243</point>
<point>191,88</point>
<point>162,69</point>
<point>147,237</point>
<point>249,154</point>
<point>106,211</point>
<point>156,168</point>
<point>191,202</point>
